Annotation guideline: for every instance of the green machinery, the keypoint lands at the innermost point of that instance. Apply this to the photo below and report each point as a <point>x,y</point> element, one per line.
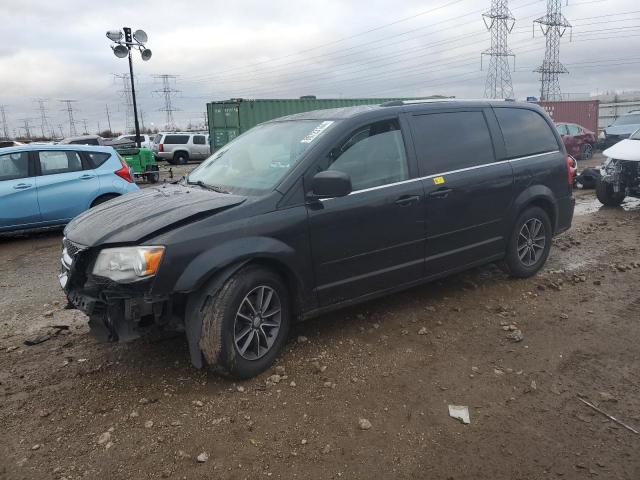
<point>142,162</point>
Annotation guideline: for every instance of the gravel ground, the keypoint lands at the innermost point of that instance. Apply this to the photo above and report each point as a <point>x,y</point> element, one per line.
<point>360,393</point>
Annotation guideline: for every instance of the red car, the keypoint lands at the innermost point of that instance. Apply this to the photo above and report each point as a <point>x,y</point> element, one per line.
<point>578,140</point>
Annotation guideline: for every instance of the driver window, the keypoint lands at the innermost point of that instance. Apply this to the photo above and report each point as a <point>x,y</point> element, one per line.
<point>373,156</point>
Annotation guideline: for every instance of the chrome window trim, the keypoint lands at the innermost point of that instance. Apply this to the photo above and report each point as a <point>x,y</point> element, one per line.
<point>355,192</point>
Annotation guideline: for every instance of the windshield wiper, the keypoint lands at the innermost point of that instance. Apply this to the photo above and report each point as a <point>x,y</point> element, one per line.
<point>213,188</point>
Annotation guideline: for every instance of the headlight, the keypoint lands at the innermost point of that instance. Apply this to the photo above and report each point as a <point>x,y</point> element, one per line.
<point>128,264</point>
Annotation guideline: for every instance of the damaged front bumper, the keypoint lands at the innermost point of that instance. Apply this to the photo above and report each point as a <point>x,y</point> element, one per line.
<point>117,313</point>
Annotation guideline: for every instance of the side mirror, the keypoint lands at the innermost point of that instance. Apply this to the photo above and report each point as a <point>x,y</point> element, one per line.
<point>330,184</point>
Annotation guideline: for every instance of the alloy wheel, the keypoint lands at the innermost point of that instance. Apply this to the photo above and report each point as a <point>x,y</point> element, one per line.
<point>257,322</point>
<point>531,242</point>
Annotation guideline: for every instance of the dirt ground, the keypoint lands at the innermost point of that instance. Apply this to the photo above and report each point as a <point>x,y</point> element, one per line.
<point>71,408</point>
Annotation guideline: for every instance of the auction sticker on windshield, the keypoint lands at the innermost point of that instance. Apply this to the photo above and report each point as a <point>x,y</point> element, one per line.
<point>316,132</point>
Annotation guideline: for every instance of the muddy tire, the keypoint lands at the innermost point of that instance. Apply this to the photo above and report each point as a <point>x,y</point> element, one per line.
<point>246,324</point>
<point>529,244</point>
<point>606,195</point>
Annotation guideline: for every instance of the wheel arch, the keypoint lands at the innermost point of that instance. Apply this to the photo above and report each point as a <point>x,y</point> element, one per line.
<point>537,196</point>
<point>108,195</point>
<point>198,280</point>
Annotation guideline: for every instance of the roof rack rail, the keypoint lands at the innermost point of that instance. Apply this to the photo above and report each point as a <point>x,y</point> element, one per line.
<point>399,103</point>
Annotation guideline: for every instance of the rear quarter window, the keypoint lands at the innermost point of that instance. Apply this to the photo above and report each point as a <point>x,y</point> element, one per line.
<point>176,139</point>
<point>96,159</point>
<point>525,132</point>
<point>451,141</point>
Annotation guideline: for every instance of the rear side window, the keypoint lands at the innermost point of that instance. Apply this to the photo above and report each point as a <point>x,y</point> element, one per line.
<point>199,140</point>
<point>563,129</point>
<point>14,166</point>
<point>573,129</point>
<point>525,132</point>
<point>53,162</point>
<point>97,158</point>
<point>451,141</point>
<point>176,139</point>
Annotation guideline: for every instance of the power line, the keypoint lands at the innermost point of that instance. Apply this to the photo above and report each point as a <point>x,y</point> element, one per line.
<point>128,99</point>
<point>553,26</point>
<point>167,92</point>
<point>44,119</point>
<point>26,127</point>
<point>5,126</point>
<point>499,21</point>
<point>108,118</point>
<point>340,40</point>
<point>72,123</point>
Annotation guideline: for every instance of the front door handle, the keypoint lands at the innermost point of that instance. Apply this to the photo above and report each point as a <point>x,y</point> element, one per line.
<point>22,186</point>
<point>405,200</point>
<point>442,192</point>
<point>86,176</point>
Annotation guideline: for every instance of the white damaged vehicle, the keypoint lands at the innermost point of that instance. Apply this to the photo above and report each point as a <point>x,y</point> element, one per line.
<point>620,173</point>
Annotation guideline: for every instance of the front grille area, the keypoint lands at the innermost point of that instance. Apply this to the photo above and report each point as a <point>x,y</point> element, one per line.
<point>73,249</point>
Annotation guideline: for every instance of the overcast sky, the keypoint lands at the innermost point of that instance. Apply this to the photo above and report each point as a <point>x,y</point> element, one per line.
<point>284,49</point>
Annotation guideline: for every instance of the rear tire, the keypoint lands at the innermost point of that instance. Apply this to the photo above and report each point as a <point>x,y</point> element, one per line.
<point>529,243</point>
<point>103,198</point>
<point>153,177</point>
<point>180,158</point>
<point>606,195</point>
<point>235,341</point>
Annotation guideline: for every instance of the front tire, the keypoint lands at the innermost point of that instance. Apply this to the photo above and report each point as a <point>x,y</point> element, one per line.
<point>606,195</point>
<point>586,151</point>
<point>246,324</point>
<point>529,243</point>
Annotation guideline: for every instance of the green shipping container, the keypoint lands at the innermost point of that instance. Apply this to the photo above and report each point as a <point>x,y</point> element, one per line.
<point>228,119</point>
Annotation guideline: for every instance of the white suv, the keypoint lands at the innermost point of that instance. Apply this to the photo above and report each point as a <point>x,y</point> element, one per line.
<point>180,147</point>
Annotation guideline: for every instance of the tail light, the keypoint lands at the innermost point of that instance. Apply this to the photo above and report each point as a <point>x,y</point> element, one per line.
<point>161,147</point>
<point>571,170</point>
<point>124,172</point>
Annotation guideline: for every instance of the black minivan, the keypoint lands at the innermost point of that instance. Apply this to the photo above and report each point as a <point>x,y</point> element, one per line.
<point>314,211</point>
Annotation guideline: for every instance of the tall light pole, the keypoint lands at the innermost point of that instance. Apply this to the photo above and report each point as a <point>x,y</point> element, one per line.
<point>123,43</point>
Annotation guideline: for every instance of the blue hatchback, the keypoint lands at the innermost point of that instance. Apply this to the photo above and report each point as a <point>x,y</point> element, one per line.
<point>48,185</point>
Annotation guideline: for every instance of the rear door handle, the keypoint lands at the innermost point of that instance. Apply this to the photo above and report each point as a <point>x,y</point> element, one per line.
<point>86,176</point>
<point>22,186</point>
<point>441,193</point>
<point>405,200</point>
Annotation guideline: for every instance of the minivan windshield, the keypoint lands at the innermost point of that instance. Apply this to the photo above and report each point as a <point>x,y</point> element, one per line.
<point>256,161</point>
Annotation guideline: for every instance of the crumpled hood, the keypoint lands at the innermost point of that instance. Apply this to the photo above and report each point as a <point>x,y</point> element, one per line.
<point>621,129</point>
<point>137,215</point>
<point>624,150</point>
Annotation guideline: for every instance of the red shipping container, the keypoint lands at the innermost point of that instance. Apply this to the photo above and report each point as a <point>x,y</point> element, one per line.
<point>582,112</point>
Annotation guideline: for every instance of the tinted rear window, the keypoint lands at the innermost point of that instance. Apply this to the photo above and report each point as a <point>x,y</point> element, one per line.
<point>97,158</point>
<point>525,132</point>
<point>176,139</point>
<point>451,141</point>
